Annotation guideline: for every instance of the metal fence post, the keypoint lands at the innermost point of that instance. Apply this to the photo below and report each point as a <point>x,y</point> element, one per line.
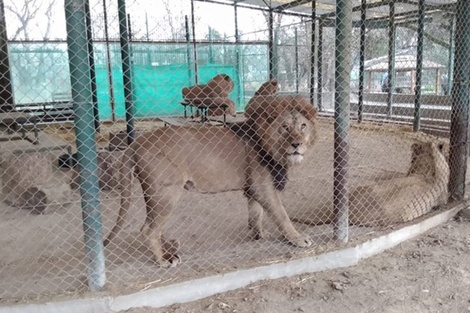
<point>362,58</point>
<point>392,33</point>
<point>126,69</point>
<point>460,103</point>
<point>342,110</point>
<point>271,55</point>
<point>6,92</point>
<point>320,65</point>
<point>312,56</point>
<point>91,57</point>
<point>193,27</point>
<point>85,138</point>
<point>419,67</point>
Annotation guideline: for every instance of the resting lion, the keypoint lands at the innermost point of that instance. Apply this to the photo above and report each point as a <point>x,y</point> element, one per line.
<point>253,156</point>
<point>271,87</point>
<point>400,199</point>
<point>213,95</point>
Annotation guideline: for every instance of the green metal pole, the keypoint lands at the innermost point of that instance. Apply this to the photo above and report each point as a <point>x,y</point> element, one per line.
<point>126,70</point>
<point>342,111</point>
<point>85,140</point>
<point>392,33</point>
<point>419,67</point>
<point>460,103</point>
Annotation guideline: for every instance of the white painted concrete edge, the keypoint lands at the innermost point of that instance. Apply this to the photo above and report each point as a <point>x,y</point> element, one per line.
<point>200,288</point>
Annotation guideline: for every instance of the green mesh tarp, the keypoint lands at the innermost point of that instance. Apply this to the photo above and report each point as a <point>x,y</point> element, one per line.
<point>157,89</point>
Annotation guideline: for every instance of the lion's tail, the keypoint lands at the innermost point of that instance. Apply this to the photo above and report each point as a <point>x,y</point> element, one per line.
<point>126,167</point>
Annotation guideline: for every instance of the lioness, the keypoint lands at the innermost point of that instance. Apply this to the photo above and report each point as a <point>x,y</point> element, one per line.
<point>400,199</point>
<point>253,156</point>
<point>271,87</point>
<point>213,95</point>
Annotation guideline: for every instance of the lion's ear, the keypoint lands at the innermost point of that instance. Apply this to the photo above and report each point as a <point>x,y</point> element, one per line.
<point>309,112</point>
<point>268,112</point>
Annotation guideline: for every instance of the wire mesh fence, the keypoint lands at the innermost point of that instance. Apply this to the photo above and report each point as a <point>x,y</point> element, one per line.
<point>131,160</point>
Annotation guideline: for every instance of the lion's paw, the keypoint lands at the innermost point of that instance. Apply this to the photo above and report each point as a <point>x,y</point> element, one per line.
<point>256,235</point>
<point>302,241</point>
<point>169,263</point>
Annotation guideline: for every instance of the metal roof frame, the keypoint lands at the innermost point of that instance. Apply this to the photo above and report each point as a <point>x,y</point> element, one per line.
<point>292,7</point>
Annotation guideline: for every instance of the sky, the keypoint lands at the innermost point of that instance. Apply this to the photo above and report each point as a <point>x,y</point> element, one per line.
<point>207,15</point>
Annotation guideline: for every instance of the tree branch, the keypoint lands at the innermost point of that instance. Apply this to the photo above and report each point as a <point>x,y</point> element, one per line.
<point>428,36</point>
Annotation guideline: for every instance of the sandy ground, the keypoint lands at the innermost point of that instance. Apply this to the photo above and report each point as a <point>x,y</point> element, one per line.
<point>42,257</point>
<point>428,274</point>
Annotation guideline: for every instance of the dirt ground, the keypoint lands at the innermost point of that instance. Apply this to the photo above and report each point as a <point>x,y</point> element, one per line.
<point>42,256</point>
<point>428,274</point>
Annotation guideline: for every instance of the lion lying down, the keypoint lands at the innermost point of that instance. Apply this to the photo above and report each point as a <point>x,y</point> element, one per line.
<point>212,95</point>
<point>254,156</point>
<point>399,199</point>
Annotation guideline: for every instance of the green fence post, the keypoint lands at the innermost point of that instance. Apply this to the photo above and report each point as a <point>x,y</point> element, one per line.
<point>460,103</point>
<point>85,139</point>
<point>342,110</point>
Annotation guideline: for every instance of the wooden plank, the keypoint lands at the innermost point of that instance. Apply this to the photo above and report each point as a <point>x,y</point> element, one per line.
<point>175,121</point>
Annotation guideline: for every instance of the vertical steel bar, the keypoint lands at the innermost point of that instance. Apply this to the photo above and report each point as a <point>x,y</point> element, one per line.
<point>237,54</point>
<point>6,92</point>
<point>312,54</point>
<point>320,65</point>
<point>109,64</point>
<point>211,54</point>
<point>391,56</point>
<point>419,67</point>
<point>342,110</point>
<point>91,61</point>
<point>85,140</point>
<point>126,70</point>
<point>147,33</point>
<point>271,44</point>
<point>188,50</point>
<point>460,103</point>
<point>362,59</point>
<point>296,47</point>
<point>193,27</point>
<point>450,74</point>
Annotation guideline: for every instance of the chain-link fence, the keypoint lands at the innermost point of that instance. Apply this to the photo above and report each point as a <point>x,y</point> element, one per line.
<point>209,137</point>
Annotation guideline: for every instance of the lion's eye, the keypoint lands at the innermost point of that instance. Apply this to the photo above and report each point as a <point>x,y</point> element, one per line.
<point>303,126</point>
<point>286,127</point>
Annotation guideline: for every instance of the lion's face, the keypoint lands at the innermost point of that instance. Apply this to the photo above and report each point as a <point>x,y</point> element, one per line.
<point>422,158</point>
<point>288,136</point>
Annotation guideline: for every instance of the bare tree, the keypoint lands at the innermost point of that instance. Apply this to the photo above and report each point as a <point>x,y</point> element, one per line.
<point>26,14</point>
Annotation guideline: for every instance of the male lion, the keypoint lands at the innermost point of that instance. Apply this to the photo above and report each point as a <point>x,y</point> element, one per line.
<point>253,156</point>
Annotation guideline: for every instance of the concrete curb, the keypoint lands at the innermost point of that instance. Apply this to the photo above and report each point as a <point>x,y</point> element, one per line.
<point>204,287</point>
